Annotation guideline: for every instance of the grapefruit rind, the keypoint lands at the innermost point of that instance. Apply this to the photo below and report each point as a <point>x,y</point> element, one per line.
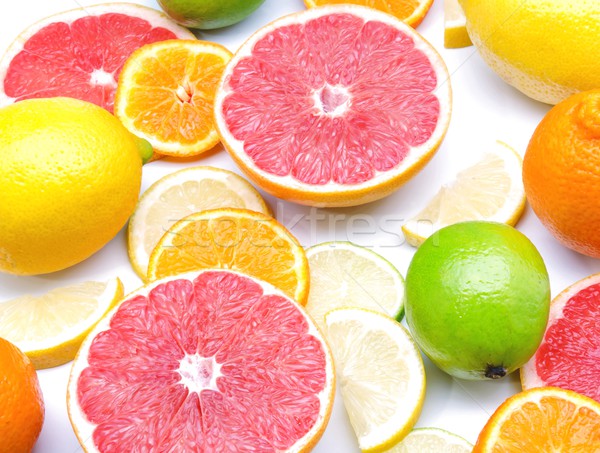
<point>84,429</point>
<point>154,17</point>
<point>333,194</point>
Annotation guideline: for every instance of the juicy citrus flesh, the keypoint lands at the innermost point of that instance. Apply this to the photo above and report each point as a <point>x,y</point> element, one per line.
<point>491,189</point>
<point>411,12</point>
<point>431,440</point>
<point>179,194</point>
<point>21,401</point>
<point>562,157</point>
<point>42,62</point>
<point>51,327</point>
<point>166,94</point>
<point>542,419</point>
<point>346,275</point>
<point>70,175</point>
<point>567,357</point>
<point>477,299</point>
<point>344,133</point>
<point>237,239</point>
<point>214,360</point>
<point>455,26</point>
<point>209,14</point>
<point>381,375</point>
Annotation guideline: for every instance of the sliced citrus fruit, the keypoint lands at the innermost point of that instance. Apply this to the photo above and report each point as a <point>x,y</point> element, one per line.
<point>178,195</point>
<point>211,361</point>
<point>50,328</point>
<point>166,94</point>
<point>568,354</point>
<point>455,26</point>
<point>491,189</point>
<point>346,275</point>
<point>431,440</point>
<point>80,53</point>
<point>543,419</point>
<point>411,12</point>
<point>333,106</point>
<point>381,374</point>
<point>237,239</point>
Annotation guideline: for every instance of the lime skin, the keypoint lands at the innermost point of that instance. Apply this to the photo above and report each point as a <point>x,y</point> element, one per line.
<point>209,14</point>
<point>477,299</point>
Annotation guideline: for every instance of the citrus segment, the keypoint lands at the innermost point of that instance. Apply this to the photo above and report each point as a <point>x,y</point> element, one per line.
<point>542,419</point>
<point>491,189</point>
<point>333,106</point>
<point>237,239</point>
<point>166,94</point>
<point>345,275</point>
<point>568,354</point>
<point>51,327</point>
<point>178,195</point>
<point>215,361</point>
<point>381,374</point>
<point>431,440</point>
<point>80,53</point>
<point>455,26</point>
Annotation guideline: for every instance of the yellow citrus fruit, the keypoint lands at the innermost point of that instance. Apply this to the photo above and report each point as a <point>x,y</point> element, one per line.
<point>561,172</point>
<point>21,401</point>
<point>70,176</point>
<point>455,26</point>
<point>548,50</point>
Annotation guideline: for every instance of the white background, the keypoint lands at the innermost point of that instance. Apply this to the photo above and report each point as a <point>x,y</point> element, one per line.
<point>484,109</point>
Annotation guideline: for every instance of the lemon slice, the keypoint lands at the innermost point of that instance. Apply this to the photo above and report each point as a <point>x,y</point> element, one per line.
<point>50,328</point>
<point>178,195</point>
<point>344,275</point>
<point>491,190</point>
<point>432,440</point>
<point>455,26</point>
<point>381,375</point>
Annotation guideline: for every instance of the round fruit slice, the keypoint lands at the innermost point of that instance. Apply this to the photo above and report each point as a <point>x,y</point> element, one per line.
<point>568,354</point>
<point>381,375</point>
<point>411,12</point>
<point>542,419</point>
<point>166,94</point>
<point>238,239</point>
<point>431,440</point>
<point>79,53</point>
<point>215,361</point>
<point>178,195</point>
<point>344,275</point>
<point>334,106</point>
<point>50,328</point>
<point>455,26</point>
<point>491,190</point>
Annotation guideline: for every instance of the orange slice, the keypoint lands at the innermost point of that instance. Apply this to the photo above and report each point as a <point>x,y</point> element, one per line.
<point>411,12</point>
<point>237,239</point>
<point>166,94</point>
<point>543,419</point>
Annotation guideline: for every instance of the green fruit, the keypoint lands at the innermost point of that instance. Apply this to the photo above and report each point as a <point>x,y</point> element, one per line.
<point>477,299</point>
<point>209,14</point>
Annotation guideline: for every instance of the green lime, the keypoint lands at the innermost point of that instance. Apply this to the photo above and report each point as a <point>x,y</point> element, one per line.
<point>209,14</point>
<point>477,299</point>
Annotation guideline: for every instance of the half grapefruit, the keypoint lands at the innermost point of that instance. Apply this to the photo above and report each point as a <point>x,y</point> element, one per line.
<point>213,361</point>
<point>333,106</point>
<point>79,53</point>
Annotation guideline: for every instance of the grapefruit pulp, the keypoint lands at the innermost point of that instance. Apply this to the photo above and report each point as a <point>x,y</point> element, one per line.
<point>79,53</point>
<point>212,361</point>
<point>333,106</point>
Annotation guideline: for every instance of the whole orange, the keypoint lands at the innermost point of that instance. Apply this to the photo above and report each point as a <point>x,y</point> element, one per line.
<point>561,172</point>
<point>21,403</point>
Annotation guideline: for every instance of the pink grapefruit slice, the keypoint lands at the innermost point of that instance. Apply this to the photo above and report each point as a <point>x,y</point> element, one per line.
<point>209,362</point>
<point>79,53</point>
<point>569,355</point>
<point>333,106</point>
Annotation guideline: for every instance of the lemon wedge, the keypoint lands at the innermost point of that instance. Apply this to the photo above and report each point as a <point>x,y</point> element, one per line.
<point>432,440</point>
<point>381,375</point>
<point>491,189</point>
<point>455,26</point>
<point>50,328</point>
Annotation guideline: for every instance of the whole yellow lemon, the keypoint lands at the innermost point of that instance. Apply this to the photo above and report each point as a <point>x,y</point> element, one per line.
<point>547,49</point>
<point>70,177</point>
